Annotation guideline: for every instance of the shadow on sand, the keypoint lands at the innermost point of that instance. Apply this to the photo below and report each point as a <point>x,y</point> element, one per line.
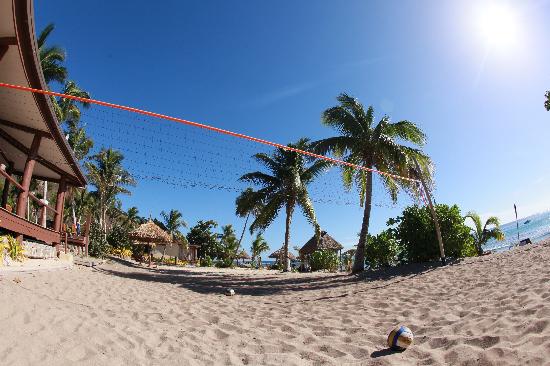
<point>383,353</point>
<point>268,283</point>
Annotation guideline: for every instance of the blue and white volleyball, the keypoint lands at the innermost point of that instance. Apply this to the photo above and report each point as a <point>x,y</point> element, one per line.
<point>400,338</point>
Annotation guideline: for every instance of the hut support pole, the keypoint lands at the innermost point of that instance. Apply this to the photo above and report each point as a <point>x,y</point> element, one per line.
<point>6,191</point>
<point>59,203</point>
<point>27,176</point>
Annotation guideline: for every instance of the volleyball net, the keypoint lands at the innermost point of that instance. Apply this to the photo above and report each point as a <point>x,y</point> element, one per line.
<point>189,155</point>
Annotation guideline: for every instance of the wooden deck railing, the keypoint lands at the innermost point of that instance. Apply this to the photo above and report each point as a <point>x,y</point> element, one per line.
<point>20,188</point>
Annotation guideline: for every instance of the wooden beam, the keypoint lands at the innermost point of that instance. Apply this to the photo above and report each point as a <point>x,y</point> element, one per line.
<point>27,129</point>
<point>10,179</point>
<point>19,146</point>
<point>8,41</point>
<point>3,51</point>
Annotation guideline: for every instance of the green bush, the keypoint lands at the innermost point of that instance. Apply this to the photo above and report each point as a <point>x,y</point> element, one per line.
<point>99,247</point>
<point>119,238</point>
<point>225,263</point>
<point>415,231</point>
<point>206,261</point>
<point>324,260</point>
<point>382,250</point>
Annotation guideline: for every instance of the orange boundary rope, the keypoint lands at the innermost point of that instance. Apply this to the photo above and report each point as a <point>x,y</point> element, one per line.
<point>200,125</point>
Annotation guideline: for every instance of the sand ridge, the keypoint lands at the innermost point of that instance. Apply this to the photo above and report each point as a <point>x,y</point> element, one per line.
<point>493,310</point>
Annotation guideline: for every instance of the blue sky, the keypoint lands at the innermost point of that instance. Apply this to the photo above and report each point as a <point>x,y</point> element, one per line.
<point>269,69</point>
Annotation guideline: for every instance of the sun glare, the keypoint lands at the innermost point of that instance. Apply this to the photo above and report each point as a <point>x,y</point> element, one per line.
<point>497,25</point>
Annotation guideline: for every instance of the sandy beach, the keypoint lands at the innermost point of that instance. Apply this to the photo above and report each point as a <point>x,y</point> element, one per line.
<point>492,310</point>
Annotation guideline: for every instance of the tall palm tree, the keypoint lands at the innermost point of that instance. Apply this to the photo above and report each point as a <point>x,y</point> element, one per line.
<point>376,146</point>
<point>51,58</point>
<point>284,186</point>
<point>482,234</point>
<point>173,221</point>
<point>108,175</point>
<point>259,245</point>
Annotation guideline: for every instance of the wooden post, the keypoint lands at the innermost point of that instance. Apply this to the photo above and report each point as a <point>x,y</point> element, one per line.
<point>6,191</point>
<point>27,177</point>
<point>60,204</point>
<point>87,227</point>
<point>43,213</point>
<point>432,210</point>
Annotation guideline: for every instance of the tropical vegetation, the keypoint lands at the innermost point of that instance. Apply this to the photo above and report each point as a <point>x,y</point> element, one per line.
<point>482,233</point>
<point>389,147</point>
<point>283,185</point>
<point>326,260</point>
<point>259,245</point>
<point>280,185</point>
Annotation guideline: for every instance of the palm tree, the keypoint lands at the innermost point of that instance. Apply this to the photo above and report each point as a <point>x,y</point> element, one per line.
<point>259,245</point>
<point>68,110</point>
<point>133,218</point>
<point>229,244</point>
<point>107,174</point>
<point>284,186</point>
<point>481,235</point>
<point>361,142</point>
<point>547,101</point>
<point>51,58</point>
<point>173,221</point>
<point>78,140</point>
<point>248,203</point>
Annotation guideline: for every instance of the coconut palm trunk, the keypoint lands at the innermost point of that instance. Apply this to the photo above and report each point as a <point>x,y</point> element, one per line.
<point>244,229</point>
<point>359,261</point>
<point>289,212</point>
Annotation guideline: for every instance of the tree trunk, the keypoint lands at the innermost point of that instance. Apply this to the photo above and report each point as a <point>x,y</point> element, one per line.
<point>244,229</point>
<point>163,253</point>
<point>359,260</point>
<point>286,260</point>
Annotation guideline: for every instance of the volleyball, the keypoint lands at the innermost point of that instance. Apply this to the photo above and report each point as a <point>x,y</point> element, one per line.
<point>400,338</point>
<point>230,292</point>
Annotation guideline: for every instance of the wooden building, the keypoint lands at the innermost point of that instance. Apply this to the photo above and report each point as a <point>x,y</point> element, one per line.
<point>32,145</point>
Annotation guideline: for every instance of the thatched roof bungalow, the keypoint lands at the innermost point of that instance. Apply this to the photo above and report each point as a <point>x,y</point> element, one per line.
<point>150,233</point>
<point>326,242</point>
<point>278,254</point>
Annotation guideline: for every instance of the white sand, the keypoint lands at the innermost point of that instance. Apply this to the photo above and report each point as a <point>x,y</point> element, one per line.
<point>493,310</point>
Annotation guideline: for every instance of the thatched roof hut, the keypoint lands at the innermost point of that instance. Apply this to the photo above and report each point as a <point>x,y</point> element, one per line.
<point>326,242</point>
<point>278,254</point>
<point>243,255</point>
<point>150,233</point>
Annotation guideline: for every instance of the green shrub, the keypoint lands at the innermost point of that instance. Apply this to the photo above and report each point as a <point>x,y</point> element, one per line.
<point>324,260</point>
<point>225,263</point>
<point>99,247</point>
<point>14,249</point>
<point>206,261</point>
<point>382,250</point>
<point>415,232</point>
<point>119,238</point>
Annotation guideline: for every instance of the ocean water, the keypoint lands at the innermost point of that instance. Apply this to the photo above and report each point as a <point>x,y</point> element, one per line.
<point>535,227</point>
